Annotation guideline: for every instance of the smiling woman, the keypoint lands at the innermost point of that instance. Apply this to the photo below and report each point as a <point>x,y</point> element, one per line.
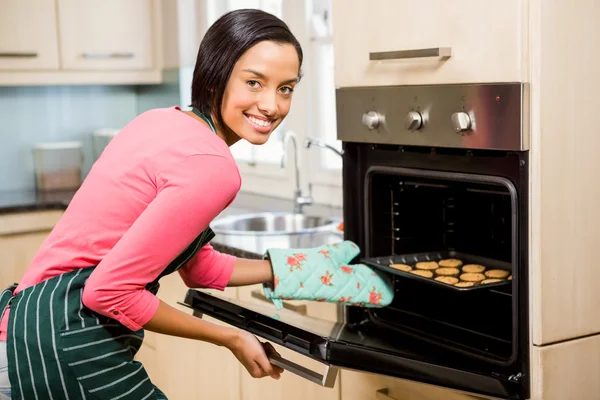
<point>143,212</point>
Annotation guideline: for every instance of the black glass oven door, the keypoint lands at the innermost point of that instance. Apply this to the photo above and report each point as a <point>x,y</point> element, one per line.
<point>360,348</point>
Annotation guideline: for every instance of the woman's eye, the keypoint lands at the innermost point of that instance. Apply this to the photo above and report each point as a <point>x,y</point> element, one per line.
<point>254,84</point>
<point>286,90</point>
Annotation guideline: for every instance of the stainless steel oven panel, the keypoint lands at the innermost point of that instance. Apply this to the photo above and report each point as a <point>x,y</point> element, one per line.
<point>491,116</point>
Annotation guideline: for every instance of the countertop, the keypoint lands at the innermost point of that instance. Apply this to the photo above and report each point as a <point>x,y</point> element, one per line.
<point>12,201</point>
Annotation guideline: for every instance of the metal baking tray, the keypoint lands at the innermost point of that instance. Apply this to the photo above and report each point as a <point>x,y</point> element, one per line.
<point>383,263</point>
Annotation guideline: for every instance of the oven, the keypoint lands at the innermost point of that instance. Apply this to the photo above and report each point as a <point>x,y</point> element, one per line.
<point>430,173</point>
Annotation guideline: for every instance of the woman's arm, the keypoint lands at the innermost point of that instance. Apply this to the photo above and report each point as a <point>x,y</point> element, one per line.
<point>250,272</point>
<point>210,268</point>
<point>246,348</point>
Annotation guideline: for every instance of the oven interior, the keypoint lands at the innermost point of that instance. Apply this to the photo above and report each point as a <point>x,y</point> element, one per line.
<point>416,214</point>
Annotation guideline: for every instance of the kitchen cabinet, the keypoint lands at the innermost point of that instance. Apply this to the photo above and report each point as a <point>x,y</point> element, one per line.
<point>565,171</point>
<point>189,369</point>
<point>21,235</point>
<point>567,370</point>
<point>485,41</point>
<point>28,35</point>
<point>363,386</point>
<point>106,35</point>
<point>56,42</point>
<point>290,386</point>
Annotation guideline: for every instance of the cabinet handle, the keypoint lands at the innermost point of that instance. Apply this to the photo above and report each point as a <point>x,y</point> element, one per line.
<point>108,55</point>
<point>326,380</point>
<point>384,394</point>
<point>18,55</point>
<point>443,52</point>
<point>300,309</point>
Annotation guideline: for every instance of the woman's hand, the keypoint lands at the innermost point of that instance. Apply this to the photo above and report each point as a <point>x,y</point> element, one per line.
<point>253,355</point>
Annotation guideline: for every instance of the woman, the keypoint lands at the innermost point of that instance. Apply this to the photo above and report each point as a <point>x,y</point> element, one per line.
<point>75,321</point>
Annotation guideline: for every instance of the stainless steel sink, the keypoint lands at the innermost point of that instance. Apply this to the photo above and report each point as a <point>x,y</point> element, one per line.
<point>274,224</point>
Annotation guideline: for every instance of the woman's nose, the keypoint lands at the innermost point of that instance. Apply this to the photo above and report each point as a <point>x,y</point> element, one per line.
<point>267,103</point>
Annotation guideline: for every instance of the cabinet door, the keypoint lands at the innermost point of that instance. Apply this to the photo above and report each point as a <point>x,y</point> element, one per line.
<point>21,235</point>
<point>189,369</point>
<point>362,386</point>
<point>484,38</point>
<point>566,370</point>
<point>290,386</point>
<point>106,35</point>
<point>28,35</point>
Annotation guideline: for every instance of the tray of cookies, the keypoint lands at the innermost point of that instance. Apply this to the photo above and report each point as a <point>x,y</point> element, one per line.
<point>451,269</point>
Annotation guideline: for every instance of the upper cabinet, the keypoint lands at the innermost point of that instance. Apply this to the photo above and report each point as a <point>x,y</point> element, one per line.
<point>106,35</point>
<point>405,42</point>
<point>28,35</point>
<point>54,42</point>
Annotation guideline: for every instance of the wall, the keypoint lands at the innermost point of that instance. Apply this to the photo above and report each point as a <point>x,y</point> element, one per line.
<point>30,115</point>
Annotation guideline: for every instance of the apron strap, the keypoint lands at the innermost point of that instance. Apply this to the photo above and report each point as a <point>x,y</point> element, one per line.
<point>206,119</point>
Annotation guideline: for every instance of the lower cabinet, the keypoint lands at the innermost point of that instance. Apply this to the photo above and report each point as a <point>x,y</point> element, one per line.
<point>363,386</point>
<point>188,369</point>
<point>21,235</point>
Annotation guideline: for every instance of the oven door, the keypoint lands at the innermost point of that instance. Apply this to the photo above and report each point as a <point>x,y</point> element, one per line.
<point>360,348</point>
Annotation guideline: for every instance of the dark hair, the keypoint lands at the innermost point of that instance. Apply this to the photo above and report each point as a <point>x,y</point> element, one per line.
<point>224,43</point>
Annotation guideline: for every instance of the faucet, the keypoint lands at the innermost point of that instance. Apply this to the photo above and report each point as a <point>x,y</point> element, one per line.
<point>299,200</point>
<point>318,142</point>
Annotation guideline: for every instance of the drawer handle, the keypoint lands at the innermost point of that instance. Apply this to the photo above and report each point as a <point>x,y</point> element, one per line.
<point>108,55</point>
<point>384,394</point>
<point>300,309</point>
<point>18,55</point>
<point>443,52</point>
<point>326,380</point>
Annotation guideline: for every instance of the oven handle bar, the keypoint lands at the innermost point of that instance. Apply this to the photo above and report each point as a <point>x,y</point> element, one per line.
<point>442,52</point>
<point>326,379</point>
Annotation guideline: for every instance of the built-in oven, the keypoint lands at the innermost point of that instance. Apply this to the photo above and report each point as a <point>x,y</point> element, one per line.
<point>436,196</point>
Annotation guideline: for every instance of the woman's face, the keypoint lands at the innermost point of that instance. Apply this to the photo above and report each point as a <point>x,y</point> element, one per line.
<point>258,95</point>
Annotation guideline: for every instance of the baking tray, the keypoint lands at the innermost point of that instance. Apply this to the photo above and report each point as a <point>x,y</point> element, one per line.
<point>383,263</point>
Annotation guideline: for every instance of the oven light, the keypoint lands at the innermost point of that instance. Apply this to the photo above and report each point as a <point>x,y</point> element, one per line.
<point>497,98</point>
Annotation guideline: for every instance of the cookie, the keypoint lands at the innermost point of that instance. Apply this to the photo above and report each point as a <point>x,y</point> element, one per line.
<point>473,268</point>
<point>450,280</point>
<point>427,265</point>
<point>509,278</point>
<point>464,284</point>
<point>497,273</point>
<point>486,281</point>
<point>425,274</point>
<point>450,263</point>
<point>472,277</point>
<point>401,267</point>
<point>447,271</point>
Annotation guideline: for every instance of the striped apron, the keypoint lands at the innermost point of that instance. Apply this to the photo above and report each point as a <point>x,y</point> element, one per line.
<point>59,349</point>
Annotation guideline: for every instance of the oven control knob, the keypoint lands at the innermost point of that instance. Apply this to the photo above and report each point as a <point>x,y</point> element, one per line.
<point>461,121</point>
<point>413,121</point>
<point>372,119</point>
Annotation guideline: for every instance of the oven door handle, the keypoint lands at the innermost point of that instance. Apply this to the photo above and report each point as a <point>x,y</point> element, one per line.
<point>442,52</point>
<point>326,379</point>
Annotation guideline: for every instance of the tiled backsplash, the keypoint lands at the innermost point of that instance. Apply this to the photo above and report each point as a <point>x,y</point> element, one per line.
<point>30,115</point>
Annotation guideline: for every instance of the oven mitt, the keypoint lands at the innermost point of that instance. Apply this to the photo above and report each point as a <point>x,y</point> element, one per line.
<point>324,274</point>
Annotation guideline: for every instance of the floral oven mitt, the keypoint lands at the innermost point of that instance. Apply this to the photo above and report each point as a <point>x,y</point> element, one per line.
<point>323,274</point>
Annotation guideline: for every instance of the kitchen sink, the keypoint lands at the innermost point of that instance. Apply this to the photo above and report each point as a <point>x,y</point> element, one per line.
<point>270,223</point>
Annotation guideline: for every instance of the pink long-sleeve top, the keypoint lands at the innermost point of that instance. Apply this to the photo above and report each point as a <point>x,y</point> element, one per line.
<point>155,188</point>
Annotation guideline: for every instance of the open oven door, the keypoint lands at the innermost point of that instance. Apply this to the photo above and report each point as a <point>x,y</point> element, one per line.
<point>356,347</point>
